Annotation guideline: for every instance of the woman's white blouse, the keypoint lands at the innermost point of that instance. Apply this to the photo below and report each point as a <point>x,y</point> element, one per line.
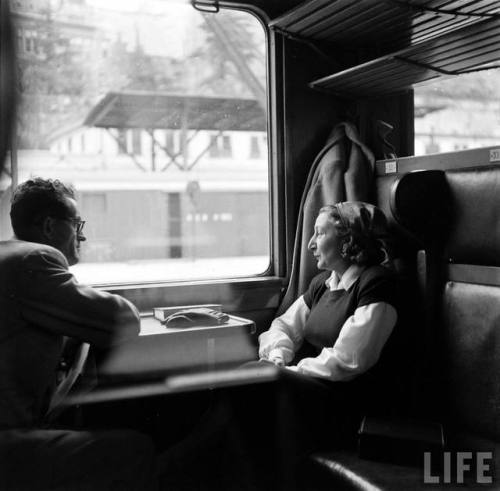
<point>357,348</point>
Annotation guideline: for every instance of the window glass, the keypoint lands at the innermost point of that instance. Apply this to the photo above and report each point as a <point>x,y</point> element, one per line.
<point>149,108</point>
<point>458,113</point>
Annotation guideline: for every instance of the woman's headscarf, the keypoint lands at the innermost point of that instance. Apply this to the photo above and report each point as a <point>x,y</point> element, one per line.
<point>364,227</point>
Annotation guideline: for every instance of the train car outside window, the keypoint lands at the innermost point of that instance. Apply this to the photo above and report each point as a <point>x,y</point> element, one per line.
<point>150,116</point>
<point>458,113</point>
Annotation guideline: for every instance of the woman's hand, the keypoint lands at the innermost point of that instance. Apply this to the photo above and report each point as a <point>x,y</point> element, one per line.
<point>275,357</point>
<point>277,360</point>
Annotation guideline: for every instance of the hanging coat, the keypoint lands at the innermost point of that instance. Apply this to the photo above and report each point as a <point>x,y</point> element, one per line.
<point>342,171</point>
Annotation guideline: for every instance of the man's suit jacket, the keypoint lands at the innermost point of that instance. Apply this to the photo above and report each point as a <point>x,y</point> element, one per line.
<point>40,303</point>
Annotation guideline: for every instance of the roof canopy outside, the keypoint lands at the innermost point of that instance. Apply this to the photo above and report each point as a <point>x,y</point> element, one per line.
<point>172,111</point>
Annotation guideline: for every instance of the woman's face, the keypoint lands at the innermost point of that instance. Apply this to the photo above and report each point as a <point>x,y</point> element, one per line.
<point>325,243</point>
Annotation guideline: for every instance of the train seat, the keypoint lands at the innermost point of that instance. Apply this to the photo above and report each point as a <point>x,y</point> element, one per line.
<point>456,223</point>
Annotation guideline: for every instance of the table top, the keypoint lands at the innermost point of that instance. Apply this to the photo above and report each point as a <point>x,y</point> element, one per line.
<point>181,359</point>
<point>159,349</point>
<point>150,325</point>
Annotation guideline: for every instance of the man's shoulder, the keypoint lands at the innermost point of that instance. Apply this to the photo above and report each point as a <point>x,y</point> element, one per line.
<point>13,251</point>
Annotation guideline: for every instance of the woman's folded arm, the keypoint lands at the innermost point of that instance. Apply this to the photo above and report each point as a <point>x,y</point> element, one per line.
<point>285,336</point>
<point>358,346</point>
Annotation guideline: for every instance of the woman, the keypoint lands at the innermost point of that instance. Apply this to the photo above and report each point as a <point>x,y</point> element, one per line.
<point>346,321</point>
<point>348,311</point>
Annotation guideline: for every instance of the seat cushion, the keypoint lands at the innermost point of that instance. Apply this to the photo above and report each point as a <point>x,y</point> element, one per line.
<point>344,470</point>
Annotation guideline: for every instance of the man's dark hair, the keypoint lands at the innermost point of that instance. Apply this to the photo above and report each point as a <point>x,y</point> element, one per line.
<point>36,199</point>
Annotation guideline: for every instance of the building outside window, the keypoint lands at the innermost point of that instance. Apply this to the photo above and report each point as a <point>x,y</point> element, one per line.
<point>136,141</point>
<point>220,146</point>
<point>160,208</point>
<point>121,140</point>
<point>255,152</point>
<point>170,141</point>
<point>458,113</point>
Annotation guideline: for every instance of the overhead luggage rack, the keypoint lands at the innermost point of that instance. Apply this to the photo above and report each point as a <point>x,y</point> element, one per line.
<point>361,22</point>
<point>473,48</point>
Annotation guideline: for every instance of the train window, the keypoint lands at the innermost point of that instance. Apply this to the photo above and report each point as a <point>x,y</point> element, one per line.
<point>458,113</point>
<point>149,109</point>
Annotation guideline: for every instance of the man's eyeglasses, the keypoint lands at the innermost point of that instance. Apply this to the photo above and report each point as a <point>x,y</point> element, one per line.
<point>79,224</point>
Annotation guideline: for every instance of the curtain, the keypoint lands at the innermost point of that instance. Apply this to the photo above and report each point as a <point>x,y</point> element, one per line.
<point>342,171</point>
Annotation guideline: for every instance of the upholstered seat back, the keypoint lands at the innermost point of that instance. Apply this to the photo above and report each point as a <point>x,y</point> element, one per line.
<point>457,224</point>
<point>474,236</point>
<point>471,302</point>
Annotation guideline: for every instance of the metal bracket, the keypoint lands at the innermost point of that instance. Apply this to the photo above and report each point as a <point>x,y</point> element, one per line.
<point>444,72</point>
<point>425,65</point>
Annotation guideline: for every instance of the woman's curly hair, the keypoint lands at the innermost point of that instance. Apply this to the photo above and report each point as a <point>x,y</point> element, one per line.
<point>363,230</point>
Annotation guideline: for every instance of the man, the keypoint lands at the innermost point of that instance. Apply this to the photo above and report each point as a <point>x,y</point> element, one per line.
<point>41,305</point>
